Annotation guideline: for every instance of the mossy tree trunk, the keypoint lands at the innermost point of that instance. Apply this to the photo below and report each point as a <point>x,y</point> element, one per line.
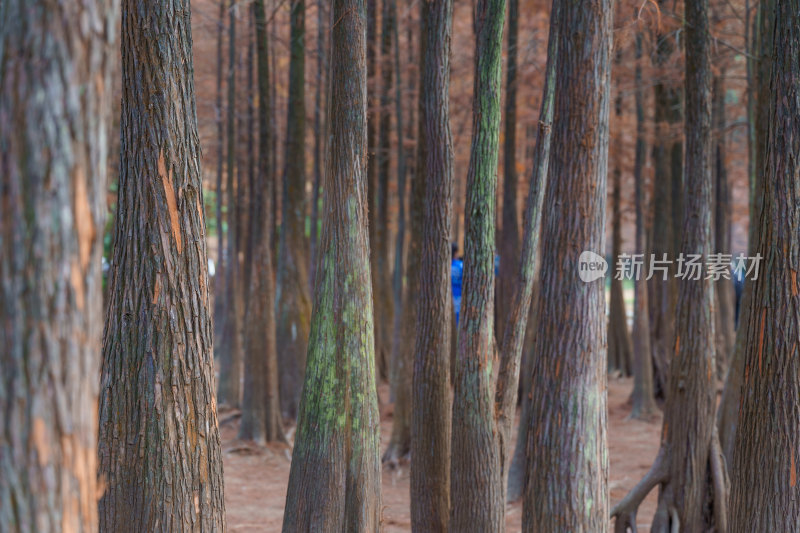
<point>55,107</point>
<point>334,482</point>
<point>764,491</point>
<point>431,411</point>
<point>567,472</point>
<point>509,235</point>
<point>476,477</point>
<point>519,313</point>
<point>293,301</point>
<point>159,446</point>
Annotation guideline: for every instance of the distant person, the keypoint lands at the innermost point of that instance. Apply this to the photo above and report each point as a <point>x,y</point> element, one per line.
<point>456,274</point>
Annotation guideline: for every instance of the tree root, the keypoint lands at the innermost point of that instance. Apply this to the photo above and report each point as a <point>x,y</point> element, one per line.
<point>625,511</point>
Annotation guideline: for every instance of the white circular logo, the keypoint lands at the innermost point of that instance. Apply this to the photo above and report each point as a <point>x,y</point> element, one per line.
<point>591,266</point>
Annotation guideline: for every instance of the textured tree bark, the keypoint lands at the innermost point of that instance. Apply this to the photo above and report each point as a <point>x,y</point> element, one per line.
<point>509,235</point>
<point>723,288</point>
<point>567,452</point>
<point>764,491</point>
<point>643,397</point>
<point>620,348</point>
<point>689,467</point>
<point>229,347</point>
<point>261,417</point>
<point>517,319</point>
<point>334,483</point>
<point>293,301</point>
<point>404,307</point>
<point>382,273</point>
<point>431,407</point>
<point>476,477</point>
<point>728,411</point>
<point>55,103</point>
<point>159,446</point>
<point>666,208</point>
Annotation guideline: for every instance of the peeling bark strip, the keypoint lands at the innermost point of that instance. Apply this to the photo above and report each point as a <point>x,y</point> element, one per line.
<point>475,473</point>
<point>567,472</point>
<point>55,66</point>
<point>334,482</point>
<point>431,411</point>
<point>764,491</point>
<point>159,443</point>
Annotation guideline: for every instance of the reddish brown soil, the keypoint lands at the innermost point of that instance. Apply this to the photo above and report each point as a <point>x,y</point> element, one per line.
<point>255,480</point>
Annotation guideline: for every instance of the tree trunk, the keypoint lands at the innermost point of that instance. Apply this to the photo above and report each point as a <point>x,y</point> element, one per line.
<point>334,483</point>
<point>728,411</point>
<point>159,446</point>
<point>293,301</point>
<point>666,208</point>
<point>219,274</point>
<point>723,288</point>
<point>519,311</point>
<point>261,417</point>
<point>431,410</point>
<point>382,295</point>
<point>689,468</point>
<point>404,312</point>
<point>567,425</point>
<point>764,491</point>
<point>229,347</point>
<point>319,142</point>
<point>55,102</point>
<point>643,397</point>
<point>476,477</point>
<point>620,349</point>
<point>509,236</point>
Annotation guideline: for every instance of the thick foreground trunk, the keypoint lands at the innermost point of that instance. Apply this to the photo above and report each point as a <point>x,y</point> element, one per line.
<point>159,448</point>
<point>334,482</point>
<point>55,103</point>
<point>567,472</point>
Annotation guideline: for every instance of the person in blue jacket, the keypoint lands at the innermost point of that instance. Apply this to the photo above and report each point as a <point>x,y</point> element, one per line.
<point>456,273</point>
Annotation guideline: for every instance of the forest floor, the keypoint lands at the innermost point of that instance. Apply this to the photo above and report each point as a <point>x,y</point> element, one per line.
<point>256,479</point>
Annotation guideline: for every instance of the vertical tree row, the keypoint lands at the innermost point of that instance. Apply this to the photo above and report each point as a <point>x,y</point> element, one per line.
<point>334,482</point>
<point>159,445</point>
<point>567,474</point>
<point>55,106</point>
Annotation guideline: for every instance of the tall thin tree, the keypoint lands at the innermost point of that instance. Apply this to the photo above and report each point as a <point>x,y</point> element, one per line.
<point>159,451</point>
<point>475,468</point>
<point>293,301</point>
<point>334,483</point>
<point>430,419</point>
<point>55,107</point>
<point>567,425</point>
